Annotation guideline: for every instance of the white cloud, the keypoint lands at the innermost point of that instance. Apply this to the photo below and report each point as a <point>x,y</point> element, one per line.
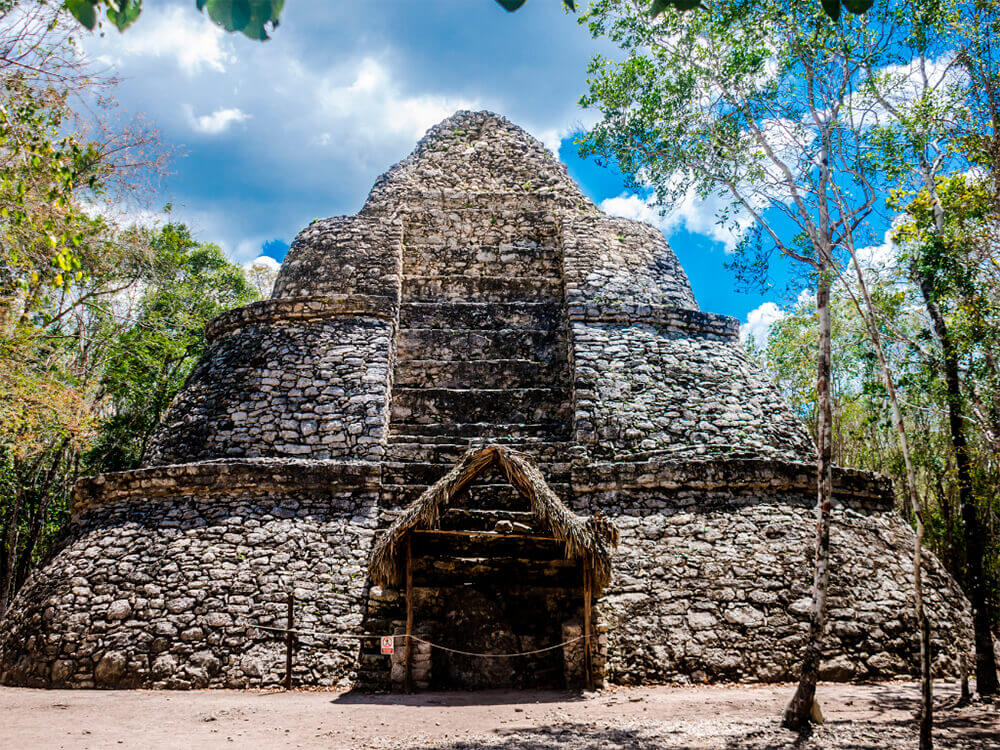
<point>940,81</point>
<point>262,272</point>
<point>189,39</point>
<point>263,260</point>
<point>697,215</point>
<point>372,101</point>
<point>217,122</point>
<point>759,322</point>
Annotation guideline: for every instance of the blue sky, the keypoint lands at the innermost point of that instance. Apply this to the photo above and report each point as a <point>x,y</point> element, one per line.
<point>269,136</point>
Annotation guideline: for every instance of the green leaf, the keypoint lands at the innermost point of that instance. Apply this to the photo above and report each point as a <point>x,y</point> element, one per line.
<point>682,5</point>
<point>570,4</point>
<point>83,11</point>
<point>832,8</point>
<point>858,7</point>
<point>511,5</point>
<point>125,15</point>
<point>249,17</point>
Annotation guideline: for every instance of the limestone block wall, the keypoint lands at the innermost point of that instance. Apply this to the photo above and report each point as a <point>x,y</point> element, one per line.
<point>611,262</point>
<point>713,582</point>
<point>166,571</point>
<point>476,152</point>
<point>681,385</point>
<point>280,387</point>
<point>343,255</point>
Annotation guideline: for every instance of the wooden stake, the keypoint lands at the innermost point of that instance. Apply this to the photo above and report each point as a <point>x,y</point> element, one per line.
<point>587,659</point>
<point>289,639</point>
<point>408,648</point>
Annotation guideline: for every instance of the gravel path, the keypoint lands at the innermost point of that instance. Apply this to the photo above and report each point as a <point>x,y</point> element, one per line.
<point>733,717</point>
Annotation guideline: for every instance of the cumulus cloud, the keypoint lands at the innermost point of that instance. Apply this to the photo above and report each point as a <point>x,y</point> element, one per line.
<point>189,39</point>
<point>218,121</point>
<point>697,215</point>
<point>373,97</point>
<point>759,322</point>
<point>262,272</point>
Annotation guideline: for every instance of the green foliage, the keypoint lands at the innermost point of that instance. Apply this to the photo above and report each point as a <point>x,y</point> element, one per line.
<point>188,285</point>
<point>830,7</point>
<point>252,18</point>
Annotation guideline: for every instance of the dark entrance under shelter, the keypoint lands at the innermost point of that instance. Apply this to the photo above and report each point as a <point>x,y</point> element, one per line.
<point>487,572</point>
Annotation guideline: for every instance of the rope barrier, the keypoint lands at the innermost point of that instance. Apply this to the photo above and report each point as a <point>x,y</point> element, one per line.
<point>356,636</point>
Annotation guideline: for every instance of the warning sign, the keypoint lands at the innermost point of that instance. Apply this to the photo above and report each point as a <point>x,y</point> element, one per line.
<point>387,644</point>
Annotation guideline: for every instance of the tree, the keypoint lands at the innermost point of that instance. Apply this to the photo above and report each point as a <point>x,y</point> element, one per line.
<point>751,103</point>
<point>189,283</point>
<point>920,137</point>
<point>944,230</point>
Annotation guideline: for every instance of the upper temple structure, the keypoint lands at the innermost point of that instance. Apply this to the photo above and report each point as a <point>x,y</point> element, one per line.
<point>482,413</point>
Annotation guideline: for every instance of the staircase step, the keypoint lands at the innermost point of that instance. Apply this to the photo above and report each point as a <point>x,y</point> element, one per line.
<point>481,288</point>
<point>484,373</point>
<point>403,472</point>
<point>486,315</point>
<point>490,227</point>
<point>517,258</point>
<point>506,405</point>
<point>477,496</point>
<point>488,431</point>
<point>481,343</point>
<point>448,451</point>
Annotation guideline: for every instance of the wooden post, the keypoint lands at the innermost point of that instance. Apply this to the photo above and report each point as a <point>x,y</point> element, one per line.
<point>587,594</point>
<point>408,647</point>
<point>289,639</point>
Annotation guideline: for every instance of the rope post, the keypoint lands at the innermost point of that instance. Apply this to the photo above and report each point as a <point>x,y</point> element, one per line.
<point>408,647</point>
<point>289,639</point>
<point>587,595</point>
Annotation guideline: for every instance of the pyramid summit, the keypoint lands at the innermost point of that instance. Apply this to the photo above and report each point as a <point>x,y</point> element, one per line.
<point>472,407</point>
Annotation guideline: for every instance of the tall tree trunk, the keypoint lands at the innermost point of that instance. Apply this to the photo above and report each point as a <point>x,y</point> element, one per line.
<point>800,708</point>
<point>986,665</point>
<point>926,717</point>
<point>10,547</point>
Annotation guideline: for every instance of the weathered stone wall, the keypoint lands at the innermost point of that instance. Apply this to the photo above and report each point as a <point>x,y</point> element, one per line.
<point>475,152</point>
<point>287,388</point>
<point>644,388</point>
<point>720,590</point>
<point>612,262</point>
<point>343,255</point>
<point>165,573</point>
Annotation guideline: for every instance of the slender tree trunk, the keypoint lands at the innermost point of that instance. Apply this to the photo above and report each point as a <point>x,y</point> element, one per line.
<point>986,665</point>
<point>926,717</point>
<point>800,709</point>
<point>10,550</point>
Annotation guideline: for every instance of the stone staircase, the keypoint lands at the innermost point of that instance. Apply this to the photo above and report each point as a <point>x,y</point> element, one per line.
<point>482,351</point>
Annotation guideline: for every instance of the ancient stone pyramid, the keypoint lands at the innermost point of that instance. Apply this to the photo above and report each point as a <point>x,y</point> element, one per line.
<point>477,298</point>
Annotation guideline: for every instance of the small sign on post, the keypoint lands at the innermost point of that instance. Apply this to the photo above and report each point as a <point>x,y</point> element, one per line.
<point>388,644</point>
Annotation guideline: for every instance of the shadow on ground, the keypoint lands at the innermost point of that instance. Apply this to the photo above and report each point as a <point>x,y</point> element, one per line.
<point>459,698</point>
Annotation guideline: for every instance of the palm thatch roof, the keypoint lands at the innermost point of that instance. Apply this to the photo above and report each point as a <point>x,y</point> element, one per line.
<point>592,539</point>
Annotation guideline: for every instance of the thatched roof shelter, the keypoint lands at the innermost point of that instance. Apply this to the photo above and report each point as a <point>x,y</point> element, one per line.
<point>592,539</point>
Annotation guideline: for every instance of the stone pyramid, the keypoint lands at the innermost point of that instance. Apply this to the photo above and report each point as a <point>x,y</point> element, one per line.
<point>477,298</point>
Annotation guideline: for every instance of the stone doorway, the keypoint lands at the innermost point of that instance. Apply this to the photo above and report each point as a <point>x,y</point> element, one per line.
<point>490,574</point>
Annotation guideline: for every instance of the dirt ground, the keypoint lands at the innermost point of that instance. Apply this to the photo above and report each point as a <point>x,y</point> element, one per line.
<point>858,716</point>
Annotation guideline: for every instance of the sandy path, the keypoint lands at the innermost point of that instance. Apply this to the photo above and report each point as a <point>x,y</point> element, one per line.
<point>859,716</point>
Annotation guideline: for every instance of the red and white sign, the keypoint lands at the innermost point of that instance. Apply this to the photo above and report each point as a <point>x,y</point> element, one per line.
<point>387,644</point>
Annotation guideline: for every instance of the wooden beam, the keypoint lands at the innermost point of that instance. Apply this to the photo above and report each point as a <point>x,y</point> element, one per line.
<point>588,578</point>
<point>408,647</point>
<point>482,535</point>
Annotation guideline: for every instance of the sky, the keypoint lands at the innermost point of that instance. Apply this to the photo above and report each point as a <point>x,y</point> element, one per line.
<point>269,136</point>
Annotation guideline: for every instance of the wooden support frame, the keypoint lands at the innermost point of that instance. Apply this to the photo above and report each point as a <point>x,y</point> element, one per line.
<point>588,582</point>
<point>408,646</point>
